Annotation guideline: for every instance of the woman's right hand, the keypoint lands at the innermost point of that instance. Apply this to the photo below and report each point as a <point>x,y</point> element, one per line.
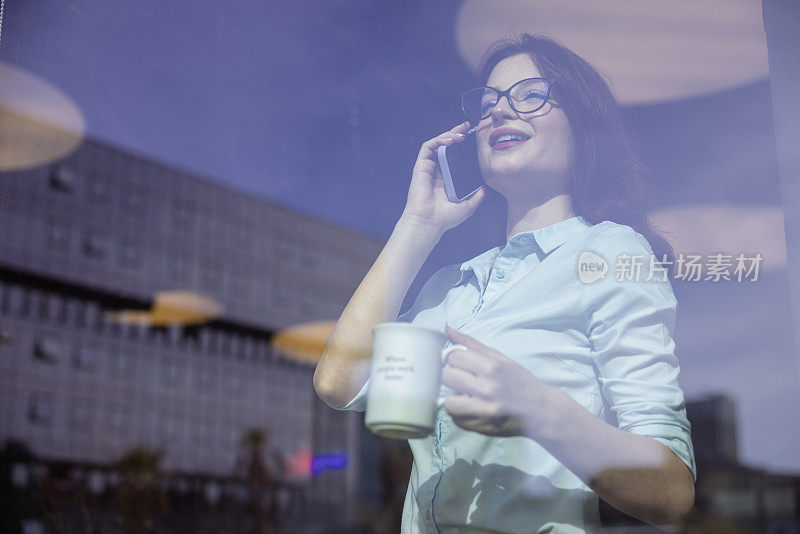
<point>427,204</point>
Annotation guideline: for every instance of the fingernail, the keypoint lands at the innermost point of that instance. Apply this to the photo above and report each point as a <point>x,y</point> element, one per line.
<point>460,134</point>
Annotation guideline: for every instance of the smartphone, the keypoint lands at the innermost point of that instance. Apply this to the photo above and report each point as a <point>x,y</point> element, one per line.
<point>459,166</point>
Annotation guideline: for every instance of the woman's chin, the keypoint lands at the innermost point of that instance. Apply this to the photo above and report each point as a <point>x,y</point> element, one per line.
<point>503,174</point>
<point>516,183</point>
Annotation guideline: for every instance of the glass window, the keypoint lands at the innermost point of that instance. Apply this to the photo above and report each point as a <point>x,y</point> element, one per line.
<point>86,357</point>
<point>48,348</point>
<point>40,409</point>
<point>63,178</point>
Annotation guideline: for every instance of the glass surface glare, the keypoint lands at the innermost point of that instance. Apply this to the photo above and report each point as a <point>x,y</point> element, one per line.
<point>525,96</point>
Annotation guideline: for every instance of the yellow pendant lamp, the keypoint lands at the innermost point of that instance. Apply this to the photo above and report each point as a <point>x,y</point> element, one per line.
<point>303,342</point>
<point>172,308</point>
<point>38,123</point>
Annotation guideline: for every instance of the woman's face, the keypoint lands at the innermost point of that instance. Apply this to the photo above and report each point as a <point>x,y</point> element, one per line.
<point>538,164</point>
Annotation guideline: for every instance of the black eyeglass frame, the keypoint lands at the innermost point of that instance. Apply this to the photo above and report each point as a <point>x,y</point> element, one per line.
<point>509,98</point>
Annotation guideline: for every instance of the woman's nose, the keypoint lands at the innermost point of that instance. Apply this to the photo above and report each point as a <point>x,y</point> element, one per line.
<point>503,109</point>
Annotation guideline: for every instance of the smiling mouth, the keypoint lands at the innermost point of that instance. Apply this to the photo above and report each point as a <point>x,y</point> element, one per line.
<point>508,141</point>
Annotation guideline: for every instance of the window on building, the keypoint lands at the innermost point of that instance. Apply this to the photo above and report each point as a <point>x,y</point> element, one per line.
<point>130,253</point>
<point>283,293</point>
<point>236,381</point>
<point>222,345</point>
<point>206,435</point>
<point>307,260</point>
<point>85,358</point>
<point>80,416</point>
<point>98,189</point>
<point>133,197</point>
<point>175,426</point>
<point>205,380</point>
<point>40,409</point>
<point>14,300</point>
<point>211,277</point>
<point>239,284</point>
<point>57,236</point>
<point>240,233</point>
<point>121,364</point>
<point>180,266</point>
<point>33,304</point>
<point>172,371</point>
<point>282,249</point>
<point>183,215</point>
<point>63,177</point>
<point>48,349</point>
<point>95,245</point>
<point>54,308</point>
<point>120,419</point>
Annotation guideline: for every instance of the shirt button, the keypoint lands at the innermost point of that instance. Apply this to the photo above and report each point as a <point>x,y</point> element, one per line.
<point>500,273</point>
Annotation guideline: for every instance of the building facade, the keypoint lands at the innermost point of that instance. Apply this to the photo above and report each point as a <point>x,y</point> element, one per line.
<point>102,231</point>
<point>730,495</point>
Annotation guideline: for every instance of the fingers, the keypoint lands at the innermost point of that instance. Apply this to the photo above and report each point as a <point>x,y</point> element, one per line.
<point>466,340</point>
<point>461,130</point>
<point>458,132</point>
<point>463,406</point>
<point>474,199</point>
<point>470,361</point>
<point>463,382</point>
<point>450,137</point>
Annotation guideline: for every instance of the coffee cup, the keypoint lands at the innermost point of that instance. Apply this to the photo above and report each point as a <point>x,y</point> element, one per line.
<point>405,378</point>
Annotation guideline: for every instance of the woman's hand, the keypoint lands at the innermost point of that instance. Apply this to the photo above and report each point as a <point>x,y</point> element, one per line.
<point>495,395</point>
<point>427,203</point>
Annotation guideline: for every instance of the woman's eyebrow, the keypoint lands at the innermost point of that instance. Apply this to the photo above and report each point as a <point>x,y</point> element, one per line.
<point>509,85</point>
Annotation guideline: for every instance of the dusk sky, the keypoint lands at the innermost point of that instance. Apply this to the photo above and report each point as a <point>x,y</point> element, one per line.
<point>321,107</point>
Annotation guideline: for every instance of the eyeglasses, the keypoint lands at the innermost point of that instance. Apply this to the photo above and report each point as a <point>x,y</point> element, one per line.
<point>525,96</point>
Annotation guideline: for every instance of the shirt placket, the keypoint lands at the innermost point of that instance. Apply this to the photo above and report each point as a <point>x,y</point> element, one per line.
<point>499,277</point>
<point>490,284</point>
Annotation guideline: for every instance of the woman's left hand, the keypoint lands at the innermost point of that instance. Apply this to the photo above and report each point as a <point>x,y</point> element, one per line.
<point>494,395</point>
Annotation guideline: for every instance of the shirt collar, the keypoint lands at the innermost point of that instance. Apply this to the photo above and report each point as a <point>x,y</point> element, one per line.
<point>552,236</point>
<point>547,238</point>
<point>478,261</point>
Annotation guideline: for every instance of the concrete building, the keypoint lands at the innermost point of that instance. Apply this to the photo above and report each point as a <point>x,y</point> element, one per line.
<point>714,434</point>
<point>728,493</point>
<point>103,231</point>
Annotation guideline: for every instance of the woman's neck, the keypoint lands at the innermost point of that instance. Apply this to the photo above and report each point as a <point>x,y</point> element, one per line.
<point>525,218</point>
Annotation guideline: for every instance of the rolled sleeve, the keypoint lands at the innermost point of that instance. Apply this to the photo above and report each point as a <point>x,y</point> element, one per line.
<point>630,325</point>
<point>359,402</point>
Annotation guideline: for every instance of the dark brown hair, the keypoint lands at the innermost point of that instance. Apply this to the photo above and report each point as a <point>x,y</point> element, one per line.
<point>608,181</point>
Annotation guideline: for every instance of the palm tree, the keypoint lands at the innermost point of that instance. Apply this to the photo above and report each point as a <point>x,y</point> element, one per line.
<point>140,494</point>
<point>257,475</point>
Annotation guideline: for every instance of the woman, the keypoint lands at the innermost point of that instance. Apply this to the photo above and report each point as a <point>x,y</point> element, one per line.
<point>568,388</point>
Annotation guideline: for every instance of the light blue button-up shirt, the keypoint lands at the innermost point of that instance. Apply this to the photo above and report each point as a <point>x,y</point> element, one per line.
<point>607,343</point>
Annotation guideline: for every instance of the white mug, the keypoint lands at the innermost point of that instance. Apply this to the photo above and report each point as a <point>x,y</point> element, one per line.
<point>405,379</point>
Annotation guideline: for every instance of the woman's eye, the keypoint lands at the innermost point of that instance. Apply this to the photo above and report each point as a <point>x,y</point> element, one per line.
<point>533,95</point>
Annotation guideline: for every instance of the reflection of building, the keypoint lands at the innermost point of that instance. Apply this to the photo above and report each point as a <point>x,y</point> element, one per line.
<point>713,421</point>
<point>749,498</point>
<point>729,496</point>
<point>103,231</point>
